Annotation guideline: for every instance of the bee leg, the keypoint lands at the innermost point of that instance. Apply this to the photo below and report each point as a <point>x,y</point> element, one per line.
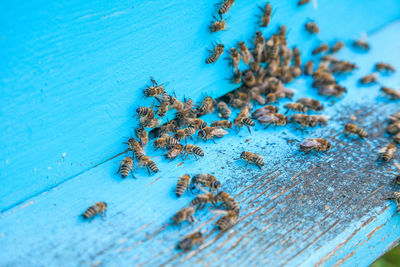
<point>195,156</point>
<point>259,167</point>
<point>133,176</point>
<point>248,128</point>
<point>148,170</point>
<point>287,111</point>
<point>266,127</point>
<point>118,170</point>
<point>213,140</point>
<point>247,164</point>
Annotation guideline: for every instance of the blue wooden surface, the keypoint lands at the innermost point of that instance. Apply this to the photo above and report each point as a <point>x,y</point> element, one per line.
<point>71,78</point>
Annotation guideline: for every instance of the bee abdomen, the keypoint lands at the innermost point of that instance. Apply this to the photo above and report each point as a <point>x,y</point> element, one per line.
<point>259,162</point>
<point>125,169</point>
<point>152,166</point>
<point>198,151</point>
<point>362,133</point>
<point>249,122</point>
<point>180,189</point>
<point>223,223</point>
<point>90,212</point>
<point>211,59</point>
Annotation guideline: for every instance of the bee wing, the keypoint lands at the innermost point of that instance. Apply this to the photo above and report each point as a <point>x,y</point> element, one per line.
<point>382,150</point>
<point>202,189</point>
<point>397,165</point>
<point>219,132</point>
<point>309,143</point>
<point>220,212</point>
<point>268,118</point>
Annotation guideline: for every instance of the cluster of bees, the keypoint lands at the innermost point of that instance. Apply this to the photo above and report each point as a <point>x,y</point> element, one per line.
<point>270,65</point>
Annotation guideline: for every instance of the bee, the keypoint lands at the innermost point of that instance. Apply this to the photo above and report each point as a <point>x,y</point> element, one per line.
<point>192,240</point>
<point>166,128</point>
<point>369,79</point>
<point>207,105</point>
<point>397,140</point>
<point>312,27</point>
<point>273,118</point>
<point>225,7</point>
<point>92,211</point>
<point>282,34</point>
<point>175,151</point>
<point>185,214</point>
<point>315,120</point>
<point>153,90</point>
<point>393,94</point>
<point>215,54</point>
<point>303,2</point>
<point>222,124</point>
<point>244,53</point>
<point>343,67</point>
<point>218,25</point>
<point>135,147</point>
<point>177,105</point>
<point>145,112</point>
<point>149,122</point>
<point>182,185</point>
<point>237,76</point>
<point>311,104</point>
<point>228,201</point>
<point>248,78</point>
<point>148,163</point>
<point>165,142</point>
<point>394,117</point>
<point>398,175</point>
<point>296,107</point>
<point>396,200</point>
<point>185,133</point>
<point>192,150</point>
<point>235,57</point>
<point>126,167</point>
<point>296,56</point>
<point>316,144</point>
<point>387,153</point>
<point>394,127</point>
<point>332,90</point>
<point>266,17</point>
<point>384,67</point>
<point>207,180</point>
<point>309,67</point>
<point>337,46</point>
<point>354,129</point>
<point>255,95</point>
<point>224,110</point>
<point>250,157</point>
<point>162,109</point>
<point>202,200</point>
<point>243,121</point>
<point>227,220</point>
<point>263,111</point>
<point>322,48</point>
<point>196,123</point>
<point>360,44</point>
<point>303,119</point>
<point>211,132</point>
<point>142,135</point>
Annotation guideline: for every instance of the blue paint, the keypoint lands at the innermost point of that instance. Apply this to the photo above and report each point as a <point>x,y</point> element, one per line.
<point>71,82</point>
<point>72,73</point>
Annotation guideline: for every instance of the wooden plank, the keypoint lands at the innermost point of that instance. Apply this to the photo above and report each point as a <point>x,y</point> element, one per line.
<point>72,72</point>
<point>300,209</point>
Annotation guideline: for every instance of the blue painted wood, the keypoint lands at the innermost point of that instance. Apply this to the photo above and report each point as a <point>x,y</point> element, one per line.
<point>72,73</point>
<point>45,229</point>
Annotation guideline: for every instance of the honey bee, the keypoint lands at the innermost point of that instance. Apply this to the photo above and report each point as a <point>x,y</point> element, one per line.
<point>263,111</point>
<point>360,44</point>
<point>228,201</point>
<point>322,48</point>
<point>250,157</point>
<point>192,240</point>
<point>393,94</point>
<point>237,76</point>
<point>225,7</point>
<point>185,214</point>
<point>148,163</point>
<point>303,2</point>
<point>165,142</point>
<point>92,211</point>
<point>296,56</point>
<point>369,79</point>
<point>192,150</point>
<point>316,144</point>
<point>135,146</point>
<point>222,124</point>
<point>153,90</point>
<point>398,175</point>
<point>196,123</point>
<point>273,118</point>
<point>235,57</point>
<point>182,185</point>
<point>384,67</point>
<point>208,133</point>
<point>387,153</point>
<point>162,109</point>
<point>149,122</point>
<point>145,112</point>
<point>309,67</point>
<point>303,119</point>
<point>206,180</point>
<point>227,220</point>
<point>224,110</point>
<point>255,95</point>
<point>142,135</point>
<point>241,121</point>
<point>175,151</point>
<point>215,54</point>
<point>343,67</point>
<point>218,25</point>
<point>248,78</point>
<point>397,140</point>
<point>394,117</point>
<point>207,105</point>
<point>397,200</point>
<point>166,128</point>
<point>282,35</point>
<point>354,129</point>
<point>266,17</point>
<point>394,127</point>
<point>315,120</point>
<point>244,53</point>
<point>337,46</point>
<point>126,167</point>
<point>311,104</point>
<point>202,200</point>
<point>296,107</point>
<point>312,27</point>
<point>185,133</point>
<point>332,90</point>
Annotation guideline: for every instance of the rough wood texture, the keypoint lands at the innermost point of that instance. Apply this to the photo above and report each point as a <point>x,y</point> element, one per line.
<point>321,210</point>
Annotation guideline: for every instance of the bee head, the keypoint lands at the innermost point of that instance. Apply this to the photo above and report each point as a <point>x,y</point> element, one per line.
<point>328,146</point>
<point>242,154</point>
<point>216,184</point>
